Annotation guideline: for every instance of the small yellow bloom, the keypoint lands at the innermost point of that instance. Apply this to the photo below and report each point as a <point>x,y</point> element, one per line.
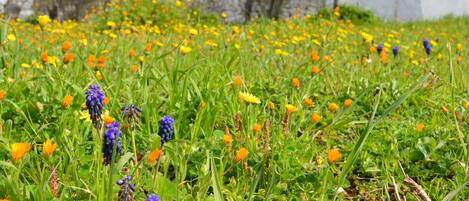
<point>44,20</point>
<point>185,50</point>
<point>178,4</point>
<point>25,65</point>
<point>48,148</point>
<point>227,139</point>
<point>193,32</point>
<point>466,104</point>
<point>18,150</point>
<point>249,98</point>
<point>111,24</point>
<point>291,109</point>
<point>11,37</point>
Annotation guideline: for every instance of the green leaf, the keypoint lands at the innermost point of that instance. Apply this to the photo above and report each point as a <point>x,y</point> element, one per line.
<point>455,192</point>
<point>123,160</point>
<point>216,184</point>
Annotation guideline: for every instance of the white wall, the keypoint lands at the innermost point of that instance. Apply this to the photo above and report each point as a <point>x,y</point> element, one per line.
<point>407,10</point>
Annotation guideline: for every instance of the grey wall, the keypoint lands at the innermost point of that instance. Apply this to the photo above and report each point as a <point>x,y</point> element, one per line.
<point>407,10</point>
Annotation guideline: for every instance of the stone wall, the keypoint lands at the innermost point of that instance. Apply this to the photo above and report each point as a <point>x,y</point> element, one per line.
<point>57,9</point>
<point>243,10</point>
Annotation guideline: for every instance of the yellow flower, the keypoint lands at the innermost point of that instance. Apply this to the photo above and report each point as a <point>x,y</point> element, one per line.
<point>85,116</point>
<point>25,65</point>
<point>111,24</point>
<point>466,104</point>
<point>280,52</point>
<point>11,37</point>
<point>291,108</point>
<point>154,155</point>
<point>242,154</point>
<point>295,83</point>
<point>48,148</point>
<point>107,117</point>
<point>227,139</point>
<point>178,4</point>
<point>185,50</point>
<point>249,98</point>
<point>193,31</point>
<point>18,150</point>
<point>366,37</point>
<point>43,20</point>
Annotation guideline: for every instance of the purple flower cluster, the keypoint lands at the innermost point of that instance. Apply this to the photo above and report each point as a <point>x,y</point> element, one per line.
<point>153,197</point>
<point>379,48</point>
<point>395,50</point>
<point>94,103</point>
<point>111,135</point>
<point>127,189</point>
<point>427,46</point>
<point>131,113</point>
<point>166,130</point>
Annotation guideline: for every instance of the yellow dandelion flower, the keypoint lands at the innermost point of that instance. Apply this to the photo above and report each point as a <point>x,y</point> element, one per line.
<point>291,109</point>
<point>249,98</point>
<point>18,150</point>
<point>48,148</point>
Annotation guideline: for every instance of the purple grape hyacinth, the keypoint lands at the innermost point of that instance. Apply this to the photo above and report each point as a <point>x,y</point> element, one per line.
<point>395,50</point>
<point>153,197</point>
<point>427,46</point>
<point>127,189</point>
<point>379,48</point>
<point>94,103</point>
<point>166,130</point>
<point>111,135</point>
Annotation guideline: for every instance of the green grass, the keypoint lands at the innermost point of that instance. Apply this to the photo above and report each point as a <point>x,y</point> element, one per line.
<point>375,134</point>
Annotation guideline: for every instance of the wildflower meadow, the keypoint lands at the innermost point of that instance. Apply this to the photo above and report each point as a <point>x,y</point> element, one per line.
<point>157,100</point>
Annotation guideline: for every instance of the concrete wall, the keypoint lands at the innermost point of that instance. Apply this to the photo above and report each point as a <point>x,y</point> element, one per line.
<point>407,10</point>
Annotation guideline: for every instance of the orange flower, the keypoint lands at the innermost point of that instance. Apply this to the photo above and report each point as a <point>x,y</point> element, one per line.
<point>18,150</point>
<point>308,102</point>
<point>44,56</point>
<point>444,109</point>
<point>90,61</point>
<point>48,148</point>
<point>333,107</point>
<point>237,81</point>
<point>67,101</point>
<point>333,155</point>
<point>68,58</point>
<point>101,59</point>
<point>295,83</point>
<point>314,70</point>
<point>227,139</point>
<point>271,105</point>
<point>314,56</point>
<point>133,68</point>
<point>315,118</point>
<point>347,103</point>
<point>154,155</point>
<point>242,154</point>
<point>106,101</point>
<point>108,119</point>
<point>132,53</point>
<point>327,58</point>
<point>257,127</point>
<point>148,48</point>
<point>66,46</point>
<point>3,94</point>
<point>419,127</point>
